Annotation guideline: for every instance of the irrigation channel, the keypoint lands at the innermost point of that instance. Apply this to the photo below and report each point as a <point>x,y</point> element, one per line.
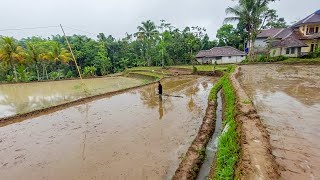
<point>132,135</point>
<point>287,98</point>
<point>212,147</point>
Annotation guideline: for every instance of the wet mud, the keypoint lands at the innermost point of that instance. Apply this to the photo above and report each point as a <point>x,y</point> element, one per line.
<point>26,97</point>
<point>287,98</point>
<point>133,135</point>
<point>206,170</point>
<point>196,154</point>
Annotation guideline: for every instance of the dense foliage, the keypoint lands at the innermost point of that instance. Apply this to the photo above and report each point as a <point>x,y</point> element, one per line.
<point>37,58</point>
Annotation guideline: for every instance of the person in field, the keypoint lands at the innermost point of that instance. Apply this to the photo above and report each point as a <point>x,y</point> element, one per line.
<point>159,88</point>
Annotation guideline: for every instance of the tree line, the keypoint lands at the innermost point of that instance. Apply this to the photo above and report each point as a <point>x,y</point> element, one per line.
<point>162,44</point>
<point>37,58</point>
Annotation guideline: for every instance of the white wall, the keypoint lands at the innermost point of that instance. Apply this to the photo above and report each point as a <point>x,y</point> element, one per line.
<point>283,52</point>
<point>223,60</point>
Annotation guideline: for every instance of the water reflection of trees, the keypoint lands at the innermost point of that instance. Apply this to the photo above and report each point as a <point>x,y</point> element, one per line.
<point>28,101</point>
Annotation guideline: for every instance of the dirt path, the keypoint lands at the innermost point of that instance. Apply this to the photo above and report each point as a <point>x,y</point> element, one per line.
<point>26,97</point>
<point>133,135</point>
<point>287,98</point>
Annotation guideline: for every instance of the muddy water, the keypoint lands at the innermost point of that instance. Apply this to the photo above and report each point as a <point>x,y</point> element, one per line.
<point>212,146</point>
<point>134,135</point>
<point>288,100</point>
<point>22,98</point>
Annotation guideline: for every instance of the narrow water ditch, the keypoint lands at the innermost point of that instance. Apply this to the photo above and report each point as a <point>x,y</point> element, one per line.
<point>212,146</point>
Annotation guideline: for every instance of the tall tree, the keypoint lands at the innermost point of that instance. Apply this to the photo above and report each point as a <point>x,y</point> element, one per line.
<point>228,36</point>
<point>11,52</point>
<point>34,53</point>
<point>251,12</point>
<point>147,32</point>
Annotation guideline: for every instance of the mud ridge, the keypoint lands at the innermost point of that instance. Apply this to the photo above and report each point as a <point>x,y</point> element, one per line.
<point>67,79</point>
<point>256,159</point>
<point>36,113</point>
<point>209,73</point>
<point>192,161</point>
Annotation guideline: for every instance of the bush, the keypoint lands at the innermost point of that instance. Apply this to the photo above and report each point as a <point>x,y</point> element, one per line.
<point>55,75</point>
<point>277,58</point>
<point>69,74</point>
<point>194,69</point>
<point>89,71</point>
<point>23,74</point>
<point>262,58</point>
<point>9,78</point>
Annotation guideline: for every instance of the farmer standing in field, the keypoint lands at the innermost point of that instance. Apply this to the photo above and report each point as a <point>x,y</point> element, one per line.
<point>159,88</point>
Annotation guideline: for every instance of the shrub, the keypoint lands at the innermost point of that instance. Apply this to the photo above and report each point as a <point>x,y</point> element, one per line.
<point>262,58</point>
<point>69,74</point>
<point>194,69</point>
<point>89,71</point>
<point>55,75</point>
<point>277,58</point>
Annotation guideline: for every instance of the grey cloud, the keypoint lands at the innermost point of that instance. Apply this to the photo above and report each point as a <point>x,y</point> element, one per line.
<point>117,17</point>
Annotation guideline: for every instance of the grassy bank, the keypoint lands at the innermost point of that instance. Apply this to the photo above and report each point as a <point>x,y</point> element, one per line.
<point>228,147</point>
<point>205,67</point>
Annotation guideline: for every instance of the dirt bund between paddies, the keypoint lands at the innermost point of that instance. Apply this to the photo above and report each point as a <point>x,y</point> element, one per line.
<point>256,159</point>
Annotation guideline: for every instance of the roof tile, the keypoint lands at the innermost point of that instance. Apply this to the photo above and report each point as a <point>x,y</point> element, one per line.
<point>220,51</point>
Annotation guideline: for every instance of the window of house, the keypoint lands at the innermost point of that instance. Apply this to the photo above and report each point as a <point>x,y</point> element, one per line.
<point>312,47</point>
<point>288,51</point>
<point>218,58</point>
<point>311,30</point>
<point>229,57</point>
<point>317,29</point>
<point>293,50</point>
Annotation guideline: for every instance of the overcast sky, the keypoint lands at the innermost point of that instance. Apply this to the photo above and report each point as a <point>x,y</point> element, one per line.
<point>116,17</point>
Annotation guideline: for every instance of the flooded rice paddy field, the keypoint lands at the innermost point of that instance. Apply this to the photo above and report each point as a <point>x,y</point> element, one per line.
<point>26,97</point>
<point>133,135</point>
<point>287,97</point>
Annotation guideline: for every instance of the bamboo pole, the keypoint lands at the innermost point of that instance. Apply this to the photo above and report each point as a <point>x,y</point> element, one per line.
<point>74,59</point>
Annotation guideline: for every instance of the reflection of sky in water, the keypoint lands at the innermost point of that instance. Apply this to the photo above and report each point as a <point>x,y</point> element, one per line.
<point>22,98</point>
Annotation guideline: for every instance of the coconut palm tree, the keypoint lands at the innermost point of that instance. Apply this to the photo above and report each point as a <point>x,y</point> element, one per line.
<point>56,54</point>
<point>251,12</point>
<point>34,53</point>
<point>11,52</point>
<point>147,32</point>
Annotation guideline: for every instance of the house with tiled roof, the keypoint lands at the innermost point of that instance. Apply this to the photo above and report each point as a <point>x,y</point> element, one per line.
<point>220,55</point>
<point>300,39</point>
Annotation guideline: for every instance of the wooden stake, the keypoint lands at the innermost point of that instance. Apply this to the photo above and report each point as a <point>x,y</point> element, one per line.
<point>75,61</point>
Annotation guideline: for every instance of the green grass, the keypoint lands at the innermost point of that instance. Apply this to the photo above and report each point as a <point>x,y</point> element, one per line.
<point>298,60</point>
<point>247,101</point>
<point>204,67</point>
<point>146,68</point>
<point>150,74</point>
<point>228,148</point>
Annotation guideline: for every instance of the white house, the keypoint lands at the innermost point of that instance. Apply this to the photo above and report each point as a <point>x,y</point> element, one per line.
<point>221,55</point>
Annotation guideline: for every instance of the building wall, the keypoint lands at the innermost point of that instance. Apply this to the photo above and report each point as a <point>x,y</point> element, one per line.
<point>260,44</point>
<point>309,42</point>
<point>223,60</point>
<point>303,29</point>
<point>283,52</point>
